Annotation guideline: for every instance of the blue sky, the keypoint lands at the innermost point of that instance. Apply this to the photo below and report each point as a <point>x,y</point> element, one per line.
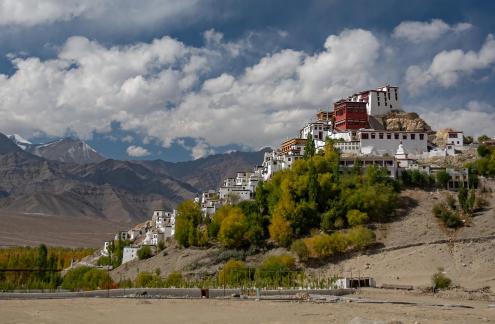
<point>179,80</point>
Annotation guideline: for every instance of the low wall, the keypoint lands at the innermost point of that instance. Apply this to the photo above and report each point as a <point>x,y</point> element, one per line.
<point>165,293</point>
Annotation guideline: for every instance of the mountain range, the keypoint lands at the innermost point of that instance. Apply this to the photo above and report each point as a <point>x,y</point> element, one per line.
<point>68,181</point>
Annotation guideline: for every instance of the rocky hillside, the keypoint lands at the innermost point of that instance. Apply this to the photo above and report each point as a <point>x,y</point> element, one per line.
<point>410,248</point>
<point>404,121</point>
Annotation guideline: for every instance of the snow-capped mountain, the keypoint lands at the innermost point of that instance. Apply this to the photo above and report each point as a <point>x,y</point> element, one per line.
<point>20,141</point>
<point>67,150</point>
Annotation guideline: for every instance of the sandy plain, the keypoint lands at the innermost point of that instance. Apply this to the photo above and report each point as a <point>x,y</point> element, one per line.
<point>426,309</point>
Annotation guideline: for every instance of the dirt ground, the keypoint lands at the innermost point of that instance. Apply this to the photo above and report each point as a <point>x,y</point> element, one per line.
<point>99,310</point>
<point>32,230</point>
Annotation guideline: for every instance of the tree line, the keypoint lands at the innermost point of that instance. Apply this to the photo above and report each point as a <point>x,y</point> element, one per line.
<point>41,266</point>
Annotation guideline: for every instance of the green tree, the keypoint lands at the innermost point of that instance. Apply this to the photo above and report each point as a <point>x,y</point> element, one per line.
<point>462,197</point>
<point>471,201</point>
<point>233,229</point>
<point>443,178</point>
<point>189,217</point>
<point>483,138</point>
<point>309,147</point>
<point>468,140</point>
<point>280,230</point>
<point>484,150</point>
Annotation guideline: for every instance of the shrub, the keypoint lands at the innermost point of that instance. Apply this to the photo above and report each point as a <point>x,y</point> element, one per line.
<point>97,279</point>
<point>103,261</point>
<point>144,253</point>
<point>230,254</point>
<point>146,280</point>
<point>73,279</point>
<point>451,202</point>
<point>161,245</point>
<point>360,237</point>
<point>125,283</point>
<point>174,279</point>
<point>86,278</point>
<point>449,218</point>
<point>276,270</point>
<point>233,272</point>
<point>355,217</point>
<point>300,248</point>
<point>440,280</point>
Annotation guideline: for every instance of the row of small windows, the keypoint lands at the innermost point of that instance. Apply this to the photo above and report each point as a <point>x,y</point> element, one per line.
<point>321,128</point>
<point>396,136</point>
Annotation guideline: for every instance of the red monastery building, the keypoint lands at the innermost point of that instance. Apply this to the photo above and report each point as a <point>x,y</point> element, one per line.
<point>350,115</point>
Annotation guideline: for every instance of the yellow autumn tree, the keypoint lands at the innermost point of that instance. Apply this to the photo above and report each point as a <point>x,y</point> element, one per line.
<point>280,230</point>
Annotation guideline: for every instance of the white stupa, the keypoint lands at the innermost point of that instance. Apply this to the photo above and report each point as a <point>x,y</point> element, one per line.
<point>402,156</point>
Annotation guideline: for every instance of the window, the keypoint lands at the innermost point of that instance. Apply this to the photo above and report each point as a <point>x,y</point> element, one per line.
<point>380,135</point>
<point>413,136</point>
<point>421,136</point>
<point>389,136</point>
<point>372,135</point>
<point>404,136</point>
<point>396,136</point>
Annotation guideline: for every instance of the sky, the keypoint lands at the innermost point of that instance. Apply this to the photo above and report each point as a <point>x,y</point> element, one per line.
<point>180,80</point>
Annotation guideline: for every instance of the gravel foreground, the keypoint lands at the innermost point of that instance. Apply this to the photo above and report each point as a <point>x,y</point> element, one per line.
<point>375,310</point>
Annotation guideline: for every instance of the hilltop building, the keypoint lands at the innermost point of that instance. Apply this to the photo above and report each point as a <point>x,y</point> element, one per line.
<point>160,227</point>
<point>379,102</point>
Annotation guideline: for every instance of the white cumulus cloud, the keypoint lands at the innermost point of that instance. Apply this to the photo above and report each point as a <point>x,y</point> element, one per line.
<point>447,67</point>
<point>419,31</point>
<point>137,151</point>
<point>163,89</point>
<point>470,119</point>
<point>27,13</point>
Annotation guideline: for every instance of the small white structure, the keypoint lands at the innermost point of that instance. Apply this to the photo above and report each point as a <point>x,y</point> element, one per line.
<point>129,254</point>
<point>355,282</point>
<point>319,130</point>
<point>402,157</point>
<point>455,139</point>
<point>106,248</point>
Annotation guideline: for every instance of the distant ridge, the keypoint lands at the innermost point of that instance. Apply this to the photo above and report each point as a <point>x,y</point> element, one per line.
<point>117,192</point>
